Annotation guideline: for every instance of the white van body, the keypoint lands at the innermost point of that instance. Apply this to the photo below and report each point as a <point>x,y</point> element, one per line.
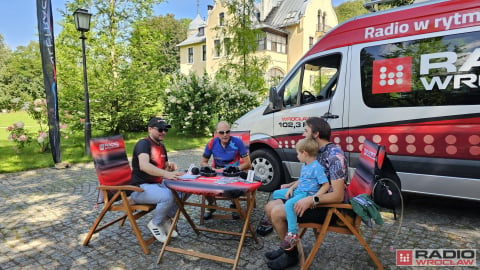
<point>406,78</point>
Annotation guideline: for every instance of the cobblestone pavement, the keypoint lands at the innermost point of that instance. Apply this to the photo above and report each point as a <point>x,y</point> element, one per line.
<point>46,213</point>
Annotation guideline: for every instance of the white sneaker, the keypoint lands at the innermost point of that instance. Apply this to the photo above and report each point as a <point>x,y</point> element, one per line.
<point>166,226</point>
<point>157,231</point>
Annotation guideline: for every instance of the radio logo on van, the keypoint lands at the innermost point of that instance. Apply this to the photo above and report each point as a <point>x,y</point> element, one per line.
<point>392,75</point>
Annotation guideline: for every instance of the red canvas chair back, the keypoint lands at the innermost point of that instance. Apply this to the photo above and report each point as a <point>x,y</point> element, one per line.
<point>370,160</point>
<point>111,162</point>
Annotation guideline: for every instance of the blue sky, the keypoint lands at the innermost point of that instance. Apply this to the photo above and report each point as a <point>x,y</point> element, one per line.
<point>18,23</point>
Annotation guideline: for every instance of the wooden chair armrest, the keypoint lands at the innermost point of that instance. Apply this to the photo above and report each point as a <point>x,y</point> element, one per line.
<point>120,188</point>
<point>336,205</point>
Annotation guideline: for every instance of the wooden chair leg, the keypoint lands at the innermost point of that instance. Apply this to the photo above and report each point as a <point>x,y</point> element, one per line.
<point>361,240</point>
<point>94,226</point>
<point>368,249</point>
<point>136,230</point>
<point>202,210</point>
<point>301,254</point>
<point>93,229</point>
<point>319,240</point>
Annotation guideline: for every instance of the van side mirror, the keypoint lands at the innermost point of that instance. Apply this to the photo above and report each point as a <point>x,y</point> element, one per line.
<point>274,99</point>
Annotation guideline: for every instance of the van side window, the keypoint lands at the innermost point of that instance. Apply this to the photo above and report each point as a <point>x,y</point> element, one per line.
<point>290,95</point>
<point>320,78</point>
<point>434,71</point>
<point>316,80</point>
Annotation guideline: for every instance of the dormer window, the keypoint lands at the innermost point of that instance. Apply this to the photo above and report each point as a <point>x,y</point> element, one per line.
<point>201,31</point>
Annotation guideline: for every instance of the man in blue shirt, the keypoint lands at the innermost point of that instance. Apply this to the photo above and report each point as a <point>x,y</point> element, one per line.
<point>227,152</point>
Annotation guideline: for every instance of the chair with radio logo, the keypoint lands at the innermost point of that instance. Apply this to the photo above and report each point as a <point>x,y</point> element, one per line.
<point>114,174</point>
<point>373,164</point>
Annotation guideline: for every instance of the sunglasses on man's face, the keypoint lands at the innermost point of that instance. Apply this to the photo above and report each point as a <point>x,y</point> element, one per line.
<point>161,129</point>
<point>223,132</point>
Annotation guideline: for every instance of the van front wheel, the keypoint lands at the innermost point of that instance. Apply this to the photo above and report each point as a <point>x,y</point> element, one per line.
<point>268,168</point>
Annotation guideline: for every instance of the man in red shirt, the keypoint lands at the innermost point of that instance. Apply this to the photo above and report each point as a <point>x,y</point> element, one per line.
<point>149,166</point>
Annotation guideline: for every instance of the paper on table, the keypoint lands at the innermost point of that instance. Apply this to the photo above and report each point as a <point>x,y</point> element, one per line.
<point>226,180</point>
<point>187,177</point>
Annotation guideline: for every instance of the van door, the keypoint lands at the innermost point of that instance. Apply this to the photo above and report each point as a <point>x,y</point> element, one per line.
<point>315,87</point>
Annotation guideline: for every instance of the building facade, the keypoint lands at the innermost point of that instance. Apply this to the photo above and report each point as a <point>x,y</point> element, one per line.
<point>290,28</point>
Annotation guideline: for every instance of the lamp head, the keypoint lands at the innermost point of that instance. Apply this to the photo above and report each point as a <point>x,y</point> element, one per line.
<point>82,19</point>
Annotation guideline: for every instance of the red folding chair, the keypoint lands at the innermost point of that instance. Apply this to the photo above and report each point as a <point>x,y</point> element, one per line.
<point>340,218</point>
<point>114,174</point>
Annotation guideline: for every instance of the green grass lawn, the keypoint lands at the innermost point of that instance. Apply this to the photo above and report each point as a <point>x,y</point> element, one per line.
<point>72,149</point>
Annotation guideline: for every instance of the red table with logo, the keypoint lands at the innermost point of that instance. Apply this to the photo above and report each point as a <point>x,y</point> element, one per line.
<point>231,188</point>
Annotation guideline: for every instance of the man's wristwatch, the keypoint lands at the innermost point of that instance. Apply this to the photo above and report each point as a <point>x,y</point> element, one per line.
<point>316,200</point>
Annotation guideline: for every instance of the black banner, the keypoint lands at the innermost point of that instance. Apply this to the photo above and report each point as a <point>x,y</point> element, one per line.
<point>47,50</point>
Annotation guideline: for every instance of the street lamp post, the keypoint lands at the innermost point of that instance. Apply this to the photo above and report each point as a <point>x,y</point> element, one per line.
<point>82,23</point>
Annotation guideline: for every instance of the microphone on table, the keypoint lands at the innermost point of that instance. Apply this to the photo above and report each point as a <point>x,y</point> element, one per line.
<point>195,170</point>
<point>244,176</point>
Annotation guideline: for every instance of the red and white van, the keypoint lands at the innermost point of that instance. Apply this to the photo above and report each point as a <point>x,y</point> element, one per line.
<point>406,78</point>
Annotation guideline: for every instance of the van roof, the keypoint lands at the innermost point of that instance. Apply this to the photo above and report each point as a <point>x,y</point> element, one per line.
<point>419,18</point>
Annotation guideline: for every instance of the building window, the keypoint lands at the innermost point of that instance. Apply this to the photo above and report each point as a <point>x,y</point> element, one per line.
<point>261,42</point>
<point>204,52</point>
<point>217,48</point>
<point>276,43</point>
<point>274,75</point>
<point>310,41</point>
<point>221,19</point>
<point>201,31</point>
<point>190,55</point>
<point>274,46</point>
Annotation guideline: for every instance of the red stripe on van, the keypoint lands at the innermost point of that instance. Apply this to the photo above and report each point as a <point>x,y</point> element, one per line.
<point>456,139</point>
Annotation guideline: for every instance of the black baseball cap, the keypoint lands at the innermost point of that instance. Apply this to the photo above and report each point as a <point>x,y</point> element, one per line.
<point>158,123</point>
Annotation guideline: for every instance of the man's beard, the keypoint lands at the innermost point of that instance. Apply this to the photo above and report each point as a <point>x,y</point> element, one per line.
<point>156,139</point>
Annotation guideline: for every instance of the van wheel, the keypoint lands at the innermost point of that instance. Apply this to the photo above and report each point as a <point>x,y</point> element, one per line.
<point>268,168</point>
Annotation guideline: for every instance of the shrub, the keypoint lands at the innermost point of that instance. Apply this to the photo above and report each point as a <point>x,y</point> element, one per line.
<point>19,136</point>
<point>196,104</point>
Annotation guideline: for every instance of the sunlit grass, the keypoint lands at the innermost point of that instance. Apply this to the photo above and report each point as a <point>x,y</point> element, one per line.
<point>72,149</point>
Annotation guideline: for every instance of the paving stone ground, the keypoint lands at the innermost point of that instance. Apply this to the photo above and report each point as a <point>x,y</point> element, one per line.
<point>46,213</point>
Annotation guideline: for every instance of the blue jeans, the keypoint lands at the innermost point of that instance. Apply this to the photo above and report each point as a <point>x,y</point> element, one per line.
<point>160,195</point>
<point>289,204</point>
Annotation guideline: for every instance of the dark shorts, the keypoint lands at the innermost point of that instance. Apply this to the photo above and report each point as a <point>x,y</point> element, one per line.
<point>316,215</point>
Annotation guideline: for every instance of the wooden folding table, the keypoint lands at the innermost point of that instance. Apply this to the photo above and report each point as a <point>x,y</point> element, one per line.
<point>213,186</point>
